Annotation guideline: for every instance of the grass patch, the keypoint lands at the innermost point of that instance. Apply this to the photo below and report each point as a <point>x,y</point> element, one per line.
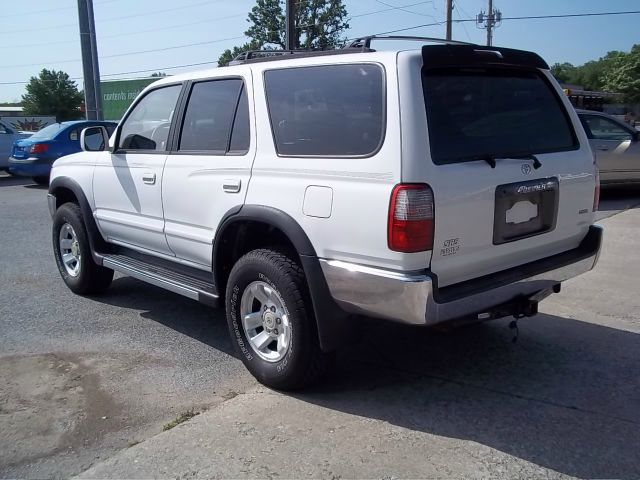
<point>183,417</point>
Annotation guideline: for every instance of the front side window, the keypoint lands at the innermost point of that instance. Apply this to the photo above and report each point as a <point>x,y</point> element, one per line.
<point>330,110</point>
<point>605,129</point>
<point>210,116</point>
<point>475,113</point>
<point>147,126</point>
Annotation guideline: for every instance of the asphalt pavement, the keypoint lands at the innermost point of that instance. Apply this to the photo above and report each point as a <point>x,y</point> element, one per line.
<point>87,384</point>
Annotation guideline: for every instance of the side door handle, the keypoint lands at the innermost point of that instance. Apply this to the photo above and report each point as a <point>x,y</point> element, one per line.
<point>232,185</point>
<point>602,148</point>
<point>149,178</point>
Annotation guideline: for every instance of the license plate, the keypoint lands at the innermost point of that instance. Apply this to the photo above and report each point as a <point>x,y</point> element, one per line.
<point>525,209</point>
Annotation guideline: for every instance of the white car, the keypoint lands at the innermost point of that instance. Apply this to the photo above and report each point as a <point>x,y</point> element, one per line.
<point>616,145</point>
<point>446,183</point>
<point>8,135</point>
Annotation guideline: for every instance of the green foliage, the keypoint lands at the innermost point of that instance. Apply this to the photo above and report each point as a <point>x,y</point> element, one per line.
<point>52,93</point>
<point>158,74</point>
<point>617,72</point>
<point>624,75</point>
<point>319,25</point>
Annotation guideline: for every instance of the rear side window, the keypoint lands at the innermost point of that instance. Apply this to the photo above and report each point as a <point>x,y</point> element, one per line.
<point>210,116</point>
<point>332,110</point>
<point>475,113</point>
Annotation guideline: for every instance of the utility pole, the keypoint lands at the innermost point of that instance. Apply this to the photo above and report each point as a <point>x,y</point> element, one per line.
<point>90,67</point>
<point>290,33</point>
<point>449,14</point>
<point>489,20</point>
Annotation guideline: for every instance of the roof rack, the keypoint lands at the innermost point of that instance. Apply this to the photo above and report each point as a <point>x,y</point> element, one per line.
<point>255,56</point>
<point>364,43</point>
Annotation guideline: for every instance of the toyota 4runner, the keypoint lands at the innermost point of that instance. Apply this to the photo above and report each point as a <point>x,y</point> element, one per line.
<point>302,190</point>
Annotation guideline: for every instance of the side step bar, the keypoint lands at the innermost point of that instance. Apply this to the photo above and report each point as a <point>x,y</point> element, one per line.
<point>191,287</point>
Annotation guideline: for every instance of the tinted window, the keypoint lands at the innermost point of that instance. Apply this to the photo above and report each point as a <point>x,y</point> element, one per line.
<point>240,133</point>
<point>3,129</point>
<point>335,110</point>
<point>605,129</point>
<point>147,126</point>
<point>209,116</point>
<point>74,135</point>
<point>493,112</point>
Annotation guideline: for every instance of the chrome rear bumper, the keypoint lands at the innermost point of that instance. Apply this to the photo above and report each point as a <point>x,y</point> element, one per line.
<point>414,298</point>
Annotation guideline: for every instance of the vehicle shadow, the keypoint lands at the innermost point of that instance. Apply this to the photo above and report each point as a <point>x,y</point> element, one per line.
<point>200,322</point>
<point>566,396</point>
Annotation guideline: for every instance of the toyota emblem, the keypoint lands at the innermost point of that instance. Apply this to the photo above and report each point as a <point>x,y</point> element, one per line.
<point>526,168</point>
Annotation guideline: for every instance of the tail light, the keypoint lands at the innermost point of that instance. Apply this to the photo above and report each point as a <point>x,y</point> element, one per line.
<point>39,148</point>
<point>596,192</point>
<point>411,216</point>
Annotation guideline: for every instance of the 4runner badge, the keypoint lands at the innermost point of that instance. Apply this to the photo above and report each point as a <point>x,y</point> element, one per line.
<point>526,168</point>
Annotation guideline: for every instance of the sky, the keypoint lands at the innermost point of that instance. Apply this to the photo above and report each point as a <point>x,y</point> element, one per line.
<point>159,35</point>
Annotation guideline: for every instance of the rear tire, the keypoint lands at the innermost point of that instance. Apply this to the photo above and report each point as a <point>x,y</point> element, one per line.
<point>41,180</point>
<point>271,321</point>
<point>73,253</point>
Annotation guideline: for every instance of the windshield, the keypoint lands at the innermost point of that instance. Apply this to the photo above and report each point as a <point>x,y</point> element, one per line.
<point>48,132</point>
<point>493,112</point>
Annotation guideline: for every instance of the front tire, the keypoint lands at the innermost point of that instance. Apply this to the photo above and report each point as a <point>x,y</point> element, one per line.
<point>73,253</point>
<point>271,321</point>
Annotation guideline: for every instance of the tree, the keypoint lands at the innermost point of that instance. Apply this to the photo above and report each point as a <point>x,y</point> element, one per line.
<point>319,25</point>
<point>52,93</point>
<point>624,75</point>
<point>564,72</point>
<point>158,74</point>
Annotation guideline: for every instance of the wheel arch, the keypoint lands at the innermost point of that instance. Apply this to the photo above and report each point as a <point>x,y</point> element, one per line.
<point>65,189</point>
<point>331,320</point>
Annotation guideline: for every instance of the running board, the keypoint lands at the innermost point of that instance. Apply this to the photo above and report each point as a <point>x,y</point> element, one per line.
<point>187,285</point>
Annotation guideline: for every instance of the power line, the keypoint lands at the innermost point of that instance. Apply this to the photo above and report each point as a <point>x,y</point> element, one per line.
<point>112,19</point>
<point>37,12</point>
<point>378,33</point>
<point>186,45</point>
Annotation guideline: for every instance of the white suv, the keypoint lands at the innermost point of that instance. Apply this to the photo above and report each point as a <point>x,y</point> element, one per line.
<point>448,183</point>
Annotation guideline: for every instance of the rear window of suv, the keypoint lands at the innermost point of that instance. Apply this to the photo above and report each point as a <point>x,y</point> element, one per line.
<point>330,110</point>
<point>474,113</point>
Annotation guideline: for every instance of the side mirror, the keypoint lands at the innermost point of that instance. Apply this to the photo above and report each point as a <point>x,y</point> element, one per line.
<point>94,139</point>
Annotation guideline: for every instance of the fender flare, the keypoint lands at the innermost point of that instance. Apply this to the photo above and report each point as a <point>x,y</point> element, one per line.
<point>331,320</point>
<point>96,241</point>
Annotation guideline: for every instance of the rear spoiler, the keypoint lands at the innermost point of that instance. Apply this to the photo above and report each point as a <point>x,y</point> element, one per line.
<point>435,56</point>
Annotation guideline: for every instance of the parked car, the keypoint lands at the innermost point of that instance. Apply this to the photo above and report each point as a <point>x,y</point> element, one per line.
<point>616,145</point>
<point>8,136</point>
<point>447,183</point>
<point>33,156</point>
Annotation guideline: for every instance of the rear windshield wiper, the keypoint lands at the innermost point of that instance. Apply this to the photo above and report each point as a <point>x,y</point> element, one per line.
<point>491,159</point>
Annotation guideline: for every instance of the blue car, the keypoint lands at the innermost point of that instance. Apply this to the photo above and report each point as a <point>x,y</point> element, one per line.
<point>33,156</point>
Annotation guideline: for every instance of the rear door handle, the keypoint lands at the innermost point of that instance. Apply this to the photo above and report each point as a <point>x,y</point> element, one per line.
<point>232,185</point>
<point>149,178</point>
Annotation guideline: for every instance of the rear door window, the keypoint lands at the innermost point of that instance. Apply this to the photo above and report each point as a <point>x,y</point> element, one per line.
<point>479,112</point>
<point>330,110</point>
<point>209,118</point>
